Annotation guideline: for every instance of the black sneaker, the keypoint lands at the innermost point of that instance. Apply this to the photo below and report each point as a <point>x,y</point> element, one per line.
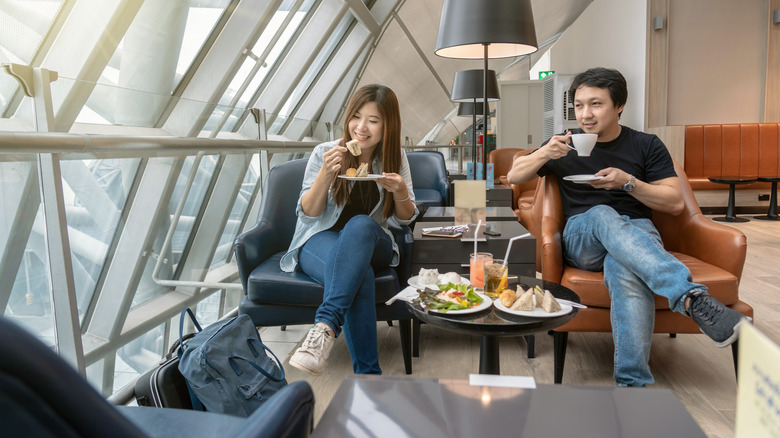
<point>715,320</point>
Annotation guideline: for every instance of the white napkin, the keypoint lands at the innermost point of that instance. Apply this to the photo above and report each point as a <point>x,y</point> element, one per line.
<point>408,294</point>
<point>505,381</point>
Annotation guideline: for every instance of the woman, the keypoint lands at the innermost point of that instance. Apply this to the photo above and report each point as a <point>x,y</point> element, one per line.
<point>341,235</point>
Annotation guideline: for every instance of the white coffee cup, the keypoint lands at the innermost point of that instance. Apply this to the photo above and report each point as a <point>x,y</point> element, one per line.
<point>584,143</point>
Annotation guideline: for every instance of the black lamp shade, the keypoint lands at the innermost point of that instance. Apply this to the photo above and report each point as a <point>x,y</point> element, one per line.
<point>467,86</point>
<point>467,109</point>
<point>466,26</point>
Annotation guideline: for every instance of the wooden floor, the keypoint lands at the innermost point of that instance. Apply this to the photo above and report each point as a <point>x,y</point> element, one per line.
<point>701,375</point>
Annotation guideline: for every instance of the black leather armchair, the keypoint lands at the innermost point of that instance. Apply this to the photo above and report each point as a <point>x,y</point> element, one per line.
<point>429,177</point>
<point>273,297</point>
<point>43,396</point>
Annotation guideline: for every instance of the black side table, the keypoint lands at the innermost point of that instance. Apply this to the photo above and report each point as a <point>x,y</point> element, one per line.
<point>771,215</point>
<point>492,323</point>
<point>731,181</point>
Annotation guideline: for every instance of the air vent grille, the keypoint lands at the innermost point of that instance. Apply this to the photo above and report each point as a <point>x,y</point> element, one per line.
<point>549,95</point>
<point>568,108</point>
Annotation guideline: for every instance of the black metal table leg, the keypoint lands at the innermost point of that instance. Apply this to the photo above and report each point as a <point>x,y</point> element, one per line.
<point>771,214</point>
<point>488,355</point>
<point>732,181</point>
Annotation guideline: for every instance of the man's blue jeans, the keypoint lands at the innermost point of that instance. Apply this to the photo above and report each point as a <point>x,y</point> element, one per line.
<point>344,262</point>
<point>636,266</point>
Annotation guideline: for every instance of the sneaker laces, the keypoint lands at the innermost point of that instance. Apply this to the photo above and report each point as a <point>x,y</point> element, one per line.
<point>706,310</point>
<point>316,339</point>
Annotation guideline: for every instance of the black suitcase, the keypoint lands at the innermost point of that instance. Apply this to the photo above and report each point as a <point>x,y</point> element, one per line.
<point>164,386</point>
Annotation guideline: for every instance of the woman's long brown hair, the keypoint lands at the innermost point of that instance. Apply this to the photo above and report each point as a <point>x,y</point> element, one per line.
<point>389,146</point>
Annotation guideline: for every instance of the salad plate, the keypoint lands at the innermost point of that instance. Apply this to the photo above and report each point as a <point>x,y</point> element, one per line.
<point>468,300</point>
<point>485,304</point>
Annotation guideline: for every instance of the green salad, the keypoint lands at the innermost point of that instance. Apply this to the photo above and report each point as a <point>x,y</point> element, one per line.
<point>450,296</point>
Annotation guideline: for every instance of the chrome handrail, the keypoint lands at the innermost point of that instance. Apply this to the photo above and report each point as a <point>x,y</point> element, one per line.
<point>122,146</point>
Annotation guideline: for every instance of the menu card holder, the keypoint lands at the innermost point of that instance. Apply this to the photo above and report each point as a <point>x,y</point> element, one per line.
<point>758,388</point>
<point>470,202</point>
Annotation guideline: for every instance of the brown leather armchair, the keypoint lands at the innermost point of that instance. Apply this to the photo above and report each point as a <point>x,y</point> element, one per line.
<point>523,194</point>
<point>502,162</point>
<point>530,216</point>
<point>714,253</point>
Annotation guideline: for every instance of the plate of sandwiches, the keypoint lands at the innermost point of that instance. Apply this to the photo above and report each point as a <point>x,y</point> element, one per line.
<point>360,174</point>
<point>367,177</point>
<point>533,302</point>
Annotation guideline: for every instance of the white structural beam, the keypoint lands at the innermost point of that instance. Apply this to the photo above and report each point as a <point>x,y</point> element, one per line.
<point>221,63</point>
<point>97,27</point>
<point>147,211</point>
<point>218,209</point>
<point>301,55</point>
<point>15,228</point>
<point>363,15</point>
<point>63,288</point>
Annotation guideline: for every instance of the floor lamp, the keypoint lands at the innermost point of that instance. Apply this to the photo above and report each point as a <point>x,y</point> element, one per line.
<point>479,29</point>
<point>468,88</point>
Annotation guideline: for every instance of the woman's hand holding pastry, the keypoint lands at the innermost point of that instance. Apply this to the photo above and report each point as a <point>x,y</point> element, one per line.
<point>331,160</point>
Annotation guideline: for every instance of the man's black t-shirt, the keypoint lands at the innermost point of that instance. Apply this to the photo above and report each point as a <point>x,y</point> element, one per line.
<point>640,154</point>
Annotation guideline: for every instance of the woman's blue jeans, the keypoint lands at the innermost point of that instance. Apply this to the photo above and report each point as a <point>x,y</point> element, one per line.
<point>636,266</point>
<point>344,262</point>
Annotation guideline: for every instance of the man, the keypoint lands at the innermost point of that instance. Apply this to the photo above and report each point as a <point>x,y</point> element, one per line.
<point>609,224</point>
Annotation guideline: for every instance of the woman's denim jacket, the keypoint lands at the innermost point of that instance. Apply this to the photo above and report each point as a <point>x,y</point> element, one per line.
<point>308,226</point>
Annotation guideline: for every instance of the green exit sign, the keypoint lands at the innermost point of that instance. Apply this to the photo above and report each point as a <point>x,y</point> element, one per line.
<point>544,74</point>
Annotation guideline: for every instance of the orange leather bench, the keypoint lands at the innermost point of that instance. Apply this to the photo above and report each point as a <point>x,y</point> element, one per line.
<point>739,149</point>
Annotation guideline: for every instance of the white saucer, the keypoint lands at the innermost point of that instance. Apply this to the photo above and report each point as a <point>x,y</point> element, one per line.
<point>582,179</point>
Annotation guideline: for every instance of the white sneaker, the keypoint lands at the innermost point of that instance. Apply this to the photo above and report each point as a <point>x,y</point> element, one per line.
<point>312,357</point>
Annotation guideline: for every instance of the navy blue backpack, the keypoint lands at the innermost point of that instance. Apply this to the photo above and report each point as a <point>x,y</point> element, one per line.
<point>227,367</point>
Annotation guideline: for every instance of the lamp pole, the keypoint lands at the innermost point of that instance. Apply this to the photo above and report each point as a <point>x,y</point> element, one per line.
<point>484,114</point>
<point>474,137</point>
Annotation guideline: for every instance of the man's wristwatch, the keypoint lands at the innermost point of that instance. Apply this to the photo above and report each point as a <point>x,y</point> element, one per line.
<point>629,186</point>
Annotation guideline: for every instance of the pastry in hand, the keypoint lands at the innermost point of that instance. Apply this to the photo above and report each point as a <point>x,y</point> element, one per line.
<point>354,147</point>
<point>507,297</point>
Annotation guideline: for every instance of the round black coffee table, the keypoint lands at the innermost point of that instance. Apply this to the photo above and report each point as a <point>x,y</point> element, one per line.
<point>771,214</point>
<point>731,181</point>
<point>493,323</point>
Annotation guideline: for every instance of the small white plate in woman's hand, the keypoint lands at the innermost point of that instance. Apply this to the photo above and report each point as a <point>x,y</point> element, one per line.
<point>369,177</point>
